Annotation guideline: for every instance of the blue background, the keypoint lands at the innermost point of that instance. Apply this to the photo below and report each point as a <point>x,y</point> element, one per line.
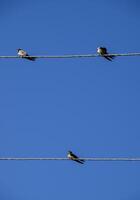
<point>90,106</point>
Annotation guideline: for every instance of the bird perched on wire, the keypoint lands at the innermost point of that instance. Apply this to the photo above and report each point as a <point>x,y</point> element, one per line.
<point>73,157</point>
<point>23,54</point>
<point>103,52</point>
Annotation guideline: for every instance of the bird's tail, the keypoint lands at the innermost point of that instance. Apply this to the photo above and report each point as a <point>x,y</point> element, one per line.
<point>31,58</point>
<point>110,58</point>
<point>80,161</point>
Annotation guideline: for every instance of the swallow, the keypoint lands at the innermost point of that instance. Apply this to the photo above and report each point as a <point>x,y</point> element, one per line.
<point>23,54</point>
<point>103,52</point>
<point>73,157</point>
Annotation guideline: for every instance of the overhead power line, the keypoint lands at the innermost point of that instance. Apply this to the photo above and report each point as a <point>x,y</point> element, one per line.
<point>60,159</point>
<point>73,56</point>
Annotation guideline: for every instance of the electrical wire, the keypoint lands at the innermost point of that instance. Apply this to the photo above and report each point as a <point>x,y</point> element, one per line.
<point>72,56</point>
<point>60,159</point>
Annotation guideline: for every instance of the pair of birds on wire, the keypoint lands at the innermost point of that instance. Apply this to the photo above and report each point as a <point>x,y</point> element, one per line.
<point>102,51</point>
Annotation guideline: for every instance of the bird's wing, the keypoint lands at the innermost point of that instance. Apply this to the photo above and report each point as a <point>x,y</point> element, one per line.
<point>24,53</point>
<point>74,156</point>
<point>104,50</point>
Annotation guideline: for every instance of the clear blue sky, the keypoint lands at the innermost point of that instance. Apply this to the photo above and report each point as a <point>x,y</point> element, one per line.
<point>90,106</point>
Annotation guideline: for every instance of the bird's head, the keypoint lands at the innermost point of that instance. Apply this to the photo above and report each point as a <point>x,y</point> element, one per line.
<point>100,48</point>
<point>69,152</point>
<point>19,49</point>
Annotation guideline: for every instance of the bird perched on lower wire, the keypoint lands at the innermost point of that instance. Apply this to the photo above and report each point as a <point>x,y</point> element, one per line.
<point>75,158</point>
<point>103,52</point>
<point>23,54</point>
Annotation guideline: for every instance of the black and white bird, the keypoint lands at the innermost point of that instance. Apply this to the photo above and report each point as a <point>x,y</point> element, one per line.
<point>103,52</point>
<point>23,54</point>
<point>73,157</point>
